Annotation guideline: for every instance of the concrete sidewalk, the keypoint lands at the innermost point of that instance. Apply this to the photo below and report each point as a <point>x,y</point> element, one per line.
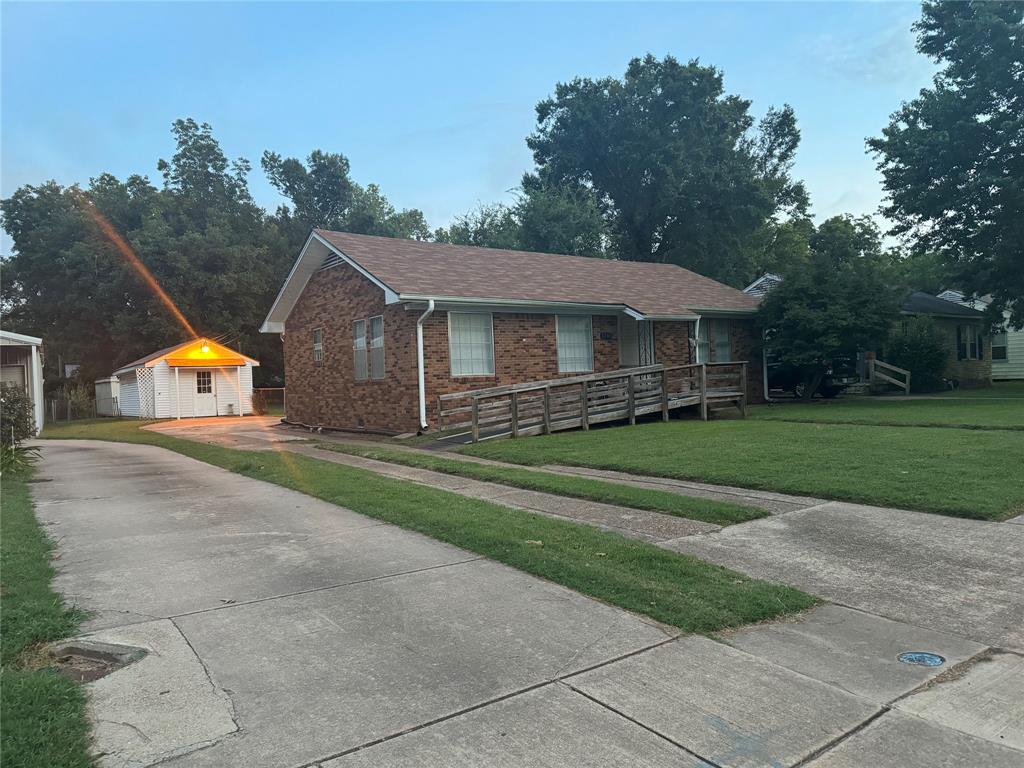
<point>284,631</point>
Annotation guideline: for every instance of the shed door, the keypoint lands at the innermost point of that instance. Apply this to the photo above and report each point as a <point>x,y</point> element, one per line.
<point>205,399</point>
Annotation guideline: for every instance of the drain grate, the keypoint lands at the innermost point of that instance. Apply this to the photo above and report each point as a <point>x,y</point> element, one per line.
<point>922,658</point>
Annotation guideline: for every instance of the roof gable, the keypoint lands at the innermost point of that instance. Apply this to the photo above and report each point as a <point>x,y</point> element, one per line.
<point>194,353</point>
<point>409,270</point>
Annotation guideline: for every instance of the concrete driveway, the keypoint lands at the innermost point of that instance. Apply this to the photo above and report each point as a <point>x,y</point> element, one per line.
<point>284,631</point>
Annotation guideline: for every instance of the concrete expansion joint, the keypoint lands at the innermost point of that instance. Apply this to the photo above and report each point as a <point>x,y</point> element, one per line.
<point>221,692</point>
<point>807,759</point>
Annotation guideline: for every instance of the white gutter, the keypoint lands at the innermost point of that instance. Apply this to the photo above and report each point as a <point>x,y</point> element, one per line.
<point>419,363</point>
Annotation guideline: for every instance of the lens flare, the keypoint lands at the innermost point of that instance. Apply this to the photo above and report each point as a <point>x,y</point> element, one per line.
<point>108,231</point>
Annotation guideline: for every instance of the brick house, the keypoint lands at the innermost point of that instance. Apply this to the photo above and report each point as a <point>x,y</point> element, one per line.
<point>375,329</point>
<point>968,342</point>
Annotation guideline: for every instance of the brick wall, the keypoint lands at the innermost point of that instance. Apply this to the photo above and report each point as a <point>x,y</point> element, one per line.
<point>745,336</point>
<point>525,349</point>
<point>328,394</point>
<point>970,373</point>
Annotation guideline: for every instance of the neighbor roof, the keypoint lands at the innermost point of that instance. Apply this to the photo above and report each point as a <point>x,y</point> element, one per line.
<point>414,270</point>
<point>921,303</point>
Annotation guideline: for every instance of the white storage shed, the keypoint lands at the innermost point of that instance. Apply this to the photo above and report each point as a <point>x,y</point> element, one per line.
<point>196,378</point>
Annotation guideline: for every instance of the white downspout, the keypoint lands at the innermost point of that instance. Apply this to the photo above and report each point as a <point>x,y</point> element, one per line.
<point>764,367</point>
<point>38,406</point>
<point>696,341</point>
<point>419,363</point>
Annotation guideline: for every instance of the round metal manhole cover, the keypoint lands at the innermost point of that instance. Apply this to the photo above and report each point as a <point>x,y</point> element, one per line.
<point>922,658</point>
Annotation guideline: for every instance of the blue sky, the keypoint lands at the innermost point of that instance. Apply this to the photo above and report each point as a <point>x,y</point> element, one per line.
<point>431,101</point>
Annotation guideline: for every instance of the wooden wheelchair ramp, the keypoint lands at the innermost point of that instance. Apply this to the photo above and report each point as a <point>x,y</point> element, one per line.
<point>577,402</point>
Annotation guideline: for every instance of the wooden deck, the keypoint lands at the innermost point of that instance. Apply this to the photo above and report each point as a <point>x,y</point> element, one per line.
<point>578,402</point>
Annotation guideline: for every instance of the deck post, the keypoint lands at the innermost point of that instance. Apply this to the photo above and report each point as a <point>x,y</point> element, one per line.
<point>664,395</point>
<point>584,406</point>
<point>743,390</point>
<point>631,399</point>
<point>704,391</point>
<point>907,389</point>
<point>475,410</point>
<point>514,405</point>
<point>440,414</point>
<point>547,410</point>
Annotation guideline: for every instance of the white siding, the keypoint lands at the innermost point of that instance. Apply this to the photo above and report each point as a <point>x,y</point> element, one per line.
<point>247,388</point>
<point>226,387</point>
<point>1013,366</point>
<point>129,397</point>
<point>162,390</point>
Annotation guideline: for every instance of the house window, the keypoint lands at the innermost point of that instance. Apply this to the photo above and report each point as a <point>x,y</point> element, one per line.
<point>359,364</point>
<point>377,347</point>
<point>471,343</point>
<point>318,346</point>
<point>968,343</point>
<point>999,346</point>
<point>720,338</point>
<point>204,382</point>
<point>575,340</point>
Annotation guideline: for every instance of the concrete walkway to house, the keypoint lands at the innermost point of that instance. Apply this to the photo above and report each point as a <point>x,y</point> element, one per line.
<point>285,631</point>
<point>944,573</point>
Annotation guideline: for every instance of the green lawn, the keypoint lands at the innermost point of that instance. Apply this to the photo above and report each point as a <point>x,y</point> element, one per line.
<point>675,589</point>
<point>707,510</point>
<point>969,413</point>
<point>966,473</point>
<point>43,712</point>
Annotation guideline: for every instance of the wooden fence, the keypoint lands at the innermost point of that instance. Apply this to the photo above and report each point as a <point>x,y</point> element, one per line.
<point>890,374</point>
<point>578,402</point>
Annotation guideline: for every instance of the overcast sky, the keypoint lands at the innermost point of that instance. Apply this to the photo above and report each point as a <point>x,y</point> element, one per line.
<point>431,101</point>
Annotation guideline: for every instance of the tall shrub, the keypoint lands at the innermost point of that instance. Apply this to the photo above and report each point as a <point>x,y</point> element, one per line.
<point>16,419</point>
<point>919,346</point>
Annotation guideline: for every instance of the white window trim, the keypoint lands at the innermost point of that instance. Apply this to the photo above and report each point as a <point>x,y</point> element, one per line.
<point>370,347</point>
<point>451,357</point>
<point>590,340</point>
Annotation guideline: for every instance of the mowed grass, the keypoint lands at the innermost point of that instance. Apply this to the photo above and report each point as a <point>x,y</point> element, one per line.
<point>678,590</point>
<point>707,510</point>
<point>968,409</point>
<point>43,712</point>
<point>960,472</point>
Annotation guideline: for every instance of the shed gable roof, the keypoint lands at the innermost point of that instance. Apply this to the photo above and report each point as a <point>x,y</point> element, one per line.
<point>411,270</point>
<point>194,353</point>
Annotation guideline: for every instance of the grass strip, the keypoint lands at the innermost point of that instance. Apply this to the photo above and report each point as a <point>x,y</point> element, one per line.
<point>706,510</point>
<point>675,589</point>
<point>43,712</point>
<point>983,414</point>
<point>958,472</point>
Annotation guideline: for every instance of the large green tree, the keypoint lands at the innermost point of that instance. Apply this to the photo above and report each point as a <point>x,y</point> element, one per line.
<point>953,158</point>
<point>681,170</point>
<point>323,195</point>
<point>840,300</point>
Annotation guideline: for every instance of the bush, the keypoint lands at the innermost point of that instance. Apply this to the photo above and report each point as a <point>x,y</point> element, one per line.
<point>17,421</point>
<point>80,397</point>
<point>920,347</point>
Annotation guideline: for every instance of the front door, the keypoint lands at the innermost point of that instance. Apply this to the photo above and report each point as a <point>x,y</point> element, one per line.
<point>205,398</point>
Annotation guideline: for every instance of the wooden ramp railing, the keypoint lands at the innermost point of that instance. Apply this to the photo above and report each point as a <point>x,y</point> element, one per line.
<point>578,402</point>
<point>879,371</point>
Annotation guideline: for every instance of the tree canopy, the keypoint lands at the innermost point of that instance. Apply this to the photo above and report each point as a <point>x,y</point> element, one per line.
<point>678,167</point>
<point>952,159</point>
<point>842,299</point>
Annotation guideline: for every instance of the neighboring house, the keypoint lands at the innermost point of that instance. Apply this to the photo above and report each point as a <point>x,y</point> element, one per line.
<point>375,329</point>
<point>198,377</point>
<point>970,347</point>
<point>21,365</point>
<point>1007,344</point>
<point>969,360</point>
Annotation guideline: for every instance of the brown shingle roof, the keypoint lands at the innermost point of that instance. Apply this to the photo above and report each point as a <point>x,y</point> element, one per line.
<point>442,270</point>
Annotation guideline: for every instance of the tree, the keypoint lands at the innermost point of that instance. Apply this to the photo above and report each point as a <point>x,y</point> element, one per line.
<point>678,167</point>
<point>952,159</point>
<point>487,226</point>
<point>560,219</point>
<point>323,195</point>
<point>842,300</point>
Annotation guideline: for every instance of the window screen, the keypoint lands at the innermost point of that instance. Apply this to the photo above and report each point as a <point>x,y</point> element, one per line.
<point>318,346</point>
<point>999,346</point>
<point>722,342</point>
<point>471,344</point>
<point>359,350</point>
<point>575,335</point>
<point>377,347</point>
